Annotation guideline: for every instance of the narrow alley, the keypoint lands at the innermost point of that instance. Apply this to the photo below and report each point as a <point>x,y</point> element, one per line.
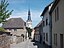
<point>25,44</point>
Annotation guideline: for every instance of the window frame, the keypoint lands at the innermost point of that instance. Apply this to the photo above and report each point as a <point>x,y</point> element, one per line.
<point>46,22</point>
<point>56,14</point>
<point>46,36</point>
<point>55,39</point>
<point>43,23</point>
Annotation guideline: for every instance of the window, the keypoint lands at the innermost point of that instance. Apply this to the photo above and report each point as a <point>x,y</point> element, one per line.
<point>15,29</point>
<point>57,14</point>
<point>46,21</point>
<point>55,39</point>
<point>43,23</point>
<point>46,36</point>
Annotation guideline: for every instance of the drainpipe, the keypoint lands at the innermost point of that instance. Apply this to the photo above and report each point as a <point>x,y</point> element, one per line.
<point>50,28</point>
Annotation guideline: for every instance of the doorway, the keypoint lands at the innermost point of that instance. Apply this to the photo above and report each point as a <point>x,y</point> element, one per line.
<point>61,40</point>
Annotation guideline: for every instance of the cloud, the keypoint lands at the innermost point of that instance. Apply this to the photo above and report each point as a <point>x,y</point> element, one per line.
<point>19,14</point>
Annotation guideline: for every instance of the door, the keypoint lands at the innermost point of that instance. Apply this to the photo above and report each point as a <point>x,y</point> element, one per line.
<point>61,40</point>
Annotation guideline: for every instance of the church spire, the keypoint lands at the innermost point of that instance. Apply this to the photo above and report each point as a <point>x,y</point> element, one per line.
<point>29,12</point>
<point>29,16</point>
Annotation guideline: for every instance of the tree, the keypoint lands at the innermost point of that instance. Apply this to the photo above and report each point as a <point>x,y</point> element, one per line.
<point>29,31</point>
<point>4,13</point>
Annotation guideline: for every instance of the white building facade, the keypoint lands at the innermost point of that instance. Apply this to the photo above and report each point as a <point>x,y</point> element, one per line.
<point>46,25</point>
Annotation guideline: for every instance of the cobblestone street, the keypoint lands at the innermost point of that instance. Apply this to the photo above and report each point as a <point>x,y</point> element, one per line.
<point>25,44</point>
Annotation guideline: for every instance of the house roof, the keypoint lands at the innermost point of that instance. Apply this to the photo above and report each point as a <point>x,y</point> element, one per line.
<point>38,24</point>
<point>45,9</point>
<point>14,23</point>
<point>54,5</point>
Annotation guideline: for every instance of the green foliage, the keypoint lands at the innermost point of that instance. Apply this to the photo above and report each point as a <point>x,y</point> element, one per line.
<point>4,13</point>
<point>2,29</point>
<point>29,31</point>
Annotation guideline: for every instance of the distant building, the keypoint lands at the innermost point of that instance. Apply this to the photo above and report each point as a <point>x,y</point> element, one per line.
<point>32,34</point>
<point>16,26</point>
<point>57,15</point>
<point>38,32</point>
<point>46,25</point>
<point>29,21</point>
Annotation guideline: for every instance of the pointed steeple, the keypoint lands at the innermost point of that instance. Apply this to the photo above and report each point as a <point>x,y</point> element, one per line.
<point>29,21</point>
<point>29,12</point>
<point>29,16</point>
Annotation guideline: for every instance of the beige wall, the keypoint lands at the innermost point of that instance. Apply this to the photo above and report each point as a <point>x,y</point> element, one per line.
<point>4,41</point>
<point>58,27</point>
<point>18,32</point>
<point>32,34</point>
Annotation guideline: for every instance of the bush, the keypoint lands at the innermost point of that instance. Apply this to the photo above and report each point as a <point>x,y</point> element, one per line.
<point>2,29</point>
<point>29,31</point>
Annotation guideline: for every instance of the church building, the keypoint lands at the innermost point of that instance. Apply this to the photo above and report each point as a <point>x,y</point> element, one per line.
<point>29,21</point>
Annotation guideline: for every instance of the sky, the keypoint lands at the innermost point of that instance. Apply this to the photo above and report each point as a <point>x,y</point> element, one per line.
<point>21,8</point>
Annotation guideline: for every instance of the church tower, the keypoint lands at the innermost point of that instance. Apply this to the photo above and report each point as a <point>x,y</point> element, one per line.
<point>29,21</point>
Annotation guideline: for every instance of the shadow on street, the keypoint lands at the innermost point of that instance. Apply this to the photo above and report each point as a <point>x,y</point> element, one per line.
<point>39,45</point>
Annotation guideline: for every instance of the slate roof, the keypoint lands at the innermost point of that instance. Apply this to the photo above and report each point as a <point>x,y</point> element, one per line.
<point>54,5</point>
<point>45,9</point>
<point>14,23</point>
